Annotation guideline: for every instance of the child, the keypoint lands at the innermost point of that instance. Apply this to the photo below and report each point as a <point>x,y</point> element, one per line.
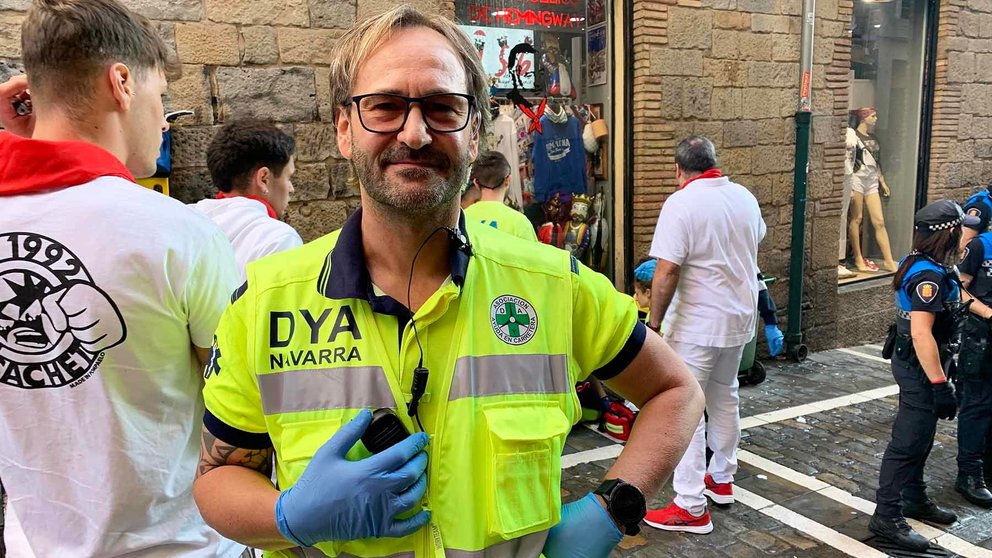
<point>643,275</point>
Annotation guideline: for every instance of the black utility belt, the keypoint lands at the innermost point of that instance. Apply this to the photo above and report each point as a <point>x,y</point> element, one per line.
<point>975,344</point>
<point>900,346</point>
<point>904,349</point>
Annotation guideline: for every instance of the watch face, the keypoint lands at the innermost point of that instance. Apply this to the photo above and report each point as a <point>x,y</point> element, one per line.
<point>627,504</point>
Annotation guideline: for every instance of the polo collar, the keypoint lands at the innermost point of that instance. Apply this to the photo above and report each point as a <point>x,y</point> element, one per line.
<point>345,274</point>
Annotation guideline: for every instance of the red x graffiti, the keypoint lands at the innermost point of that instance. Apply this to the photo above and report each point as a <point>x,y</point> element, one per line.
<point>535,117</point>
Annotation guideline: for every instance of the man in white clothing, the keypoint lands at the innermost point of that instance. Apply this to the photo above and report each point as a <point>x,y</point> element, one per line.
<point>705,288</point>
<point>252,165</point>
<point>109,293</point>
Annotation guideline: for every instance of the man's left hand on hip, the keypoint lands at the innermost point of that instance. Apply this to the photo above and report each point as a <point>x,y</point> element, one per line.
<point>586,530</point>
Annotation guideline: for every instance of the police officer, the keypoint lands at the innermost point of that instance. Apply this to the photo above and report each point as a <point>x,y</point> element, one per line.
<point>975,372</point>
<point>928,301</point>
<point>979,205</point>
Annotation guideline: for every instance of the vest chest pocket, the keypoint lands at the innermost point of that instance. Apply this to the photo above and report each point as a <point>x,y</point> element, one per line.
<point>297,443</point>
<point>525,443</point>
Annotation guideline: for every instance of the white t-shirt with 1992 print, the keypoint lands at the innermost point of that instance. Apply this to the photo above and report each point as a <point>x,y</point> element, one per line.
<point>105,288</point>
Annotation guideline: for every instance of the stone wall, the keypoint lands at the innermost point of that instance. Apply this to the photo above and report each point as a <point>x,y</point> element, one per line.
<point>729,70</point>
<point>262,58</point>
<point>960,148</point>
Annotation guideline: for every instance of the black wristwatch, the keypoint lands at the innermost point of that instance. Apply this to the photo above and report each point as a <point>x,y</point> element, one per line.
<point>625,503</point>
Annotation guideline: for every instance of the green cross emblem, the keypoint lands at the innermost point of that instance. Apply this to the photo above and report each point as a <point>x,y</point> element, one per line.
<point>512,320</point>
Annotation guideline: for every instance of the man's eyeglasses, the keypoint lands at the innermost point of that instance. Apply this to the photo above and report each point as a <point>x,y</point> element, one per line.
<point>381,113</point>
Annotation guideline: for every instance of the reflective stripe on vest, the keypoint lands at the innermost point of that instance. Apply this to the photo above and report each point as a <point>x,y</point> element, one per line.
<point>509,374</point>
<point>528,546</point>
<point>309,552</point>
<point>352,387</point>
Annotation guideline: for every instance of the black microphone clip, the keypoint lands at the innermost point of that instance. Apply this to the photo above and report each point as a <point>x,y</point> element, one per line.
<point>461,242</point>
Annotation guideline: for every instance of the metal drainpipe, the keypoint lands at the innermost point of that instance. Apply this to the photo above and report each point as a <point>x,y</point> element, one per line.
<point>804,115</point>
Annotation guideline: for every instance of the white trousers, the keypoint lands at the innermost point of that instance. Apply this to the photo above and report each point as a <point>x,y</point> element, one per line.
<point>716,370</point>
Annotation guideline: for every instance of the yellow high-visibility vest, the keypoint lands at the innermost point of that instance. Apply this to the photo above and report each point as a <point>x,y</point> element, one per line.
<point>501,217</point>
<point>308,342</point>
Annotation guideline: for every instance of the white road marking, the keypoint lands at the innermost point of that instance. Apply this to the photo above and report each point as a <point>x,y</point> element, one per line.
<point>818,406</point>
<point>862,355</point>
<point>946,540</point>
<point>588,456</point>
<point>807,526</point>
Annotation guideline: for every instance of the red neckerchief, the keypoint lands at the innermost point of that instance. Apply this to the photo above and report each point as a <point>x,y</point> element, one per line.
<point>28,165</point>
<point>272,212</point>
<point>712,173</point>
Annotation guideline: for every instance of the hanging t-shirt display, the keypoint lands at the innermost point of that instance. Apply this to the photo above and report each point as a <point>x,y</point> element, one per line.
<point>505,140</point>
<point>558,156</point>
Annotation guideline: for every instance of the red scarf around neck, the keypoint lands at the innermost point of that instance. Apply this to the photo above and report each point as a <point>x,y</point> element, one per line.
<point>712,173</point>
<point>268,208</point>
<point>28,165</point>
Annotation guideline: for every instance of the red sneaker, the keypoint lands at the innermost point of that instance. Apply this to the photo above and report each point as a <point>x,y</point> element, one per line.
<point>674,518</point>
<point>719,492</point>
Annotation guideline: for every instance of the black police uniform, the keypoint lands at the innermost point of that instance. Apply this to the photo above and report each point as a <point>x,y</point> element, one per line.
<point>975,376</point>
<point>980,205</point>
<point>928,287</point>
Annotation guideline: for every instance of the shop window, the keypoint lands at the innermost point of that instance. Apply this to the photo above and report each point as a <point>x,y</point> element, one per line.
<point>550,69</point>
<point>888,45</point>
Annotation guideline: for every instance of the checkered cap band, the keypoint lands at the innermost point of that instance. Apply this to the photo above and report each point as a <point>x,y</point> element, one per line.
<point>947,225</point>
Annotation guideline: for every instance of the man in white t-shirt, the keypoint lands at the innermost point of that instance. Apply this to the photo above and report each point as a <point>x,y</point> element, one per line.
<point>252,165</point>
<point>109,296</point>
<point>705,287</point>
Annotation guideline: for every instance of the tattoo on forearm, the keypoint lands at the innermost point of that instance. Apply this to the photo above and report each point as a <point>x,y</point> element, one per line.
<point>216,453</point>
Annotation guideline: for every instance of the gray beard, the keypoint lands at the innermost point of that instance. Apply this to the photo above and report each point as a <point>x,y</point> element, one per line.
<point>437,194</point>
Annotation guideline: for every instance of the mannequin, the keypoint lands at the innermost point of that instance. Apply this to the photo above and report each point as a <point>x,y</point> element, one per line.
<point>867,184</point>
<point>551,231</point>
<point>575,237</point>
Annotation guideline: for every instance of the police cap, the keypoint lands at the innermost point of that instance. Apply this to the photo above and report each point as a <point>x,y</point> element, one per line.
<point>941,215</point>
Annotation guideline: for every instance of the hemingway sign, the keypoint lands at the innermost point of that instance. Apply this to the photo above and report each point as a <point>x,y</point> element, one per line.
<point>568,15</point>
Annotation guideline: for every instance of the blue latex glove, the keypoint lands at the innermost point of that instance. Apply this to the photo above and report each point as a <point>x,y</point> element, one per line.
<point>340,500</point>
<point>585,531</point>
<point>775,340</point>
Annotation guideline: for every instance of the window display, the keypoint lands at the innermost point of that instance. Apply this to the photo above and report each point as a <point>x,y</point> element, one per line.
<point>888,43</point>
<point>551,114</point>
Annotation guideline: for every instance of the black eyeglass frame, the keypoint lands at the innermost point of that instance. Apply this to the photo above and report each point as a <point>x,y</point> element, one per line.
<point>356,100</point>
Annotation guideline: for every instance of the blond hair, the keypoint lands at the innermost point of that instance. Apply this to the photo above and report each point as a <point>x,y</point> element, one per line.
<point>359,42</point>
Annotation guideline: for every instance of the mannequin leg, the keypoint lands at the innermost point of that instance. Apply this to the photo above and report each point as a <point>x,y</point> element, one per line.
<point>874,204</point>
<point>855,214</point>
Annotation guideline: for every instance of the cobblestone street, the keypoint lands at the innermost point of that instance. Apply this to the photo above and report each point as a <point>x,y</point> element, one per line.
<point>813,439</point>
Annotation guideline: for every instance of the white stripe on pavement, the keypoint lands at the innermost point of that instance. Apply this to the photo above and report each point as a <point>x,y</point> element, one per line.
<point>862,355</point>
<point>807,526</point>
<point>946,540</point>
<point>818,406</point>
<point>588,456</point>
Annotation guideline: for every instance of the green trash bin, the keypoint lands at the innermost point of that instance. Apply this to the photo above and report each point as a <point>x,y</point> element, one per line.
<point>751,371</point>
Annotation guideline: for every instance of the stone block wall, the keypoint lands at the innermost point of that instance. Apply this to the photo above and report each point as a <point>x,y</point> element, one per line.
<point>250,58</point>
<point>729,70</point>
<point>961,148</point>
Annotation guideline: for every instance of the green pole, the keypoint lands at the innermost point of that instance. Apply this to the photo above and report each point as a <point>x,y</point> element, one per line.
<point>794,336</point>
<point>804,115</point>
